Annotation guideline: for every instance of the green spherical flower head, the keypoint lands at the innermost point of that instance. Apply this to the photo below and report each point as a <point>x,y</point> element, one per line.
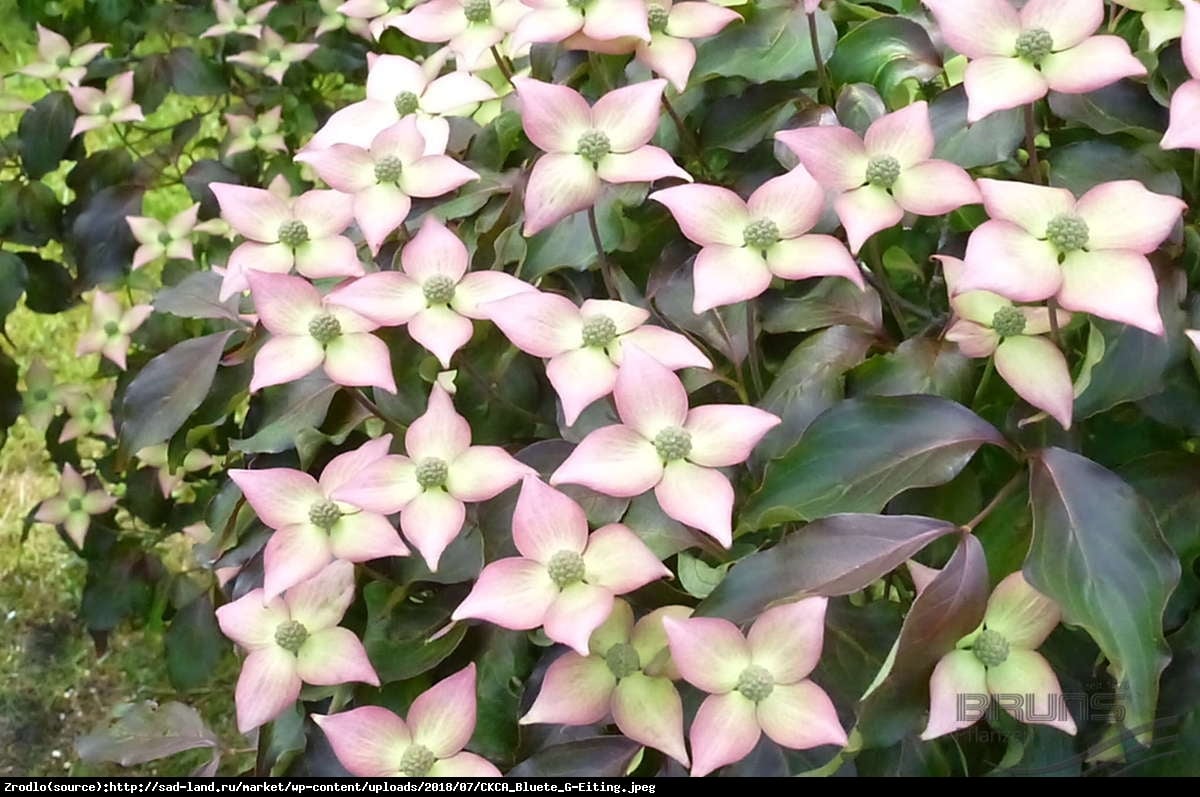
<point>112,328</point>
<point>91,414</point>
<point>594,145</point>
<point>673,443</point>
<point>622,660</point>
<point>1034,45</point>
<point>565,568</point>
<point>477,10</point>
<point>431,473</point>
<point>388,170</point>
<point>274,56</point>
<point>255,132</point>
<point>656,17</point>
<point>105,109</point>
<point>165,238</point>
<point>755,683</point>
<point>291,635</point>
<point>63,61</point>
<point>325,329</point>
<point>1067,233</point>
<point>1008,321</point>
<point>293,233</point>
<point>324,514</point>
<point>439,289</point>
<point>599,331</point>
<point>39,395</point>
<point>407,103</point>
<point>761,234</point>
<point>240,19</point>
<point>990,648</point>
<point>883,171</point>
<point>417,761</point>
<point>75,505</point>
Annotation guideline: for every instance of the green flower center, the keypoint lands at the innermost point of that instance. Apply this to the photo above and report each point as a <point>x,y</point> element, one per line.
<point>165,238</point>
<point>1008,321</point>
<point>565,568</point>
<point>439,289</point>
<point>417,761</point>
<point>105,109</point>
<point>673,443</point>
<point>622,660</point>
<point>40,395</point>
<point>656,16</point>
<point>1067,232</point>
<point>75,505</point>
<point>240,19</point>
<point>291,635</point>
<point>1034,45</point>
<point>578,5</point>
<point>388,170</point>
<point>594,145</point>
<point>761,234</point>
<point>431,473</point>
<point>407,103</point>
<point>63,61</point>
<point>274,56</point>
<point>112,329</point>
<point>90,414</point>
<point>883,171</point>
<point>599,331</point>
<point>325,329</point>
<point>755,683</point>
<point>293,233</point>
<point>324,514</point>
<point>990,648</point>
<point>477,10</point>
<point>255,132</point>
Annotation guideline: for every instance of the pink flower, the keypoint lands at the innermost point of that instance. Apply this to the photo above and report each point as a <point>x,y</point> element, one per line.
<point>398,87</point>
<point>58,60</point>
<point>879,178</point>
<point>587,147</point>
<point>627,673</point>
<point>469,27</point>
<point>98,108</point>
<point>1018,56</point>
<point>314,524</point>
<point>304,233</point>
<point>988,325</point>
<point>274,56</point>
<point>382,177</point>
<point>757,684</point>
<point>378,14</point>
<point>1090,253</point>
<point>1000,658</point>
<point>74,505</point>
<point>335,19</point>
<point>90,412</point>
<point>661,444</point>
<point>255,133</point>
<point>231,19</point>
<point>373,742</point>
<point>555,20</point>
<point>292,640</point>
<point>172,240</point>
<point>565,579</point>
<point>584,344</point>
<point>157,457</point>
<point>42,397</point>
<point>1184,129</point>
<point>308,331</point>
<point>110,328</point>
<point>432,485</point>
<point>744,244</point>
<point>433,294</point>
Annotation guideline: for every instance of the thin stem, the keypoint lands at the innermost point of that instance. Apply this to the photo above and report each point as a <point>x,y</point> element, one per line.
<point>756,377</point>
<point>1195,175</point>
<point>824,90</point>
<point>983,381</point>
<point>1008,489</point>
<point>606,271</point>
<point>878,277</point>
<point>1055,333</point>
<point>494,392</point>
<point>373,408</point>
<point>737,364</point>
<point>686,137</point>
<point>1035,166</point>
<point>503,66</point>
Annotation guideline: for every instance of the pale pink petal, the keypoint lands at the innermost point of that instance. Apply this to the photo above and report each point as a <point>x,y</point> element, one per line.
<point>710,653</point>
<point>464,765</point>
<point>323,212</point>
<point>648,710</point>
<point>629,115</point>
<point>648,395</point>
<point>440,432</point>
<point>88,100</point>
<point>996,84</point>
<point>513,593</point>
<point>813,256</point>
<point>346,467</point>
<point>334,656</point>
<point>698,497</point>
<point>253,212</point>
<point>442,717</point>
<point>434,250</point>
<point>285,359</point>
<point>835,156</point>
<point>285,304</point>
<point>706,214</point>
<point>725,730</point>
<point>725,434</point>
<point>1068,22</point>
<point>369,741</point>
<point>321,601</point>
<point>1098,62</point>
<point>643,165</point>
<point>379,211</point>
<point>386,297</point>
<point>321,258</point>
<point>430,522</point>
<point>1191,38</point>
<point>554,116</point>
<point>616,19</point>
<point>544,25</point>
<point>1184,130</point>
<point>974,340</point>
<point>866,211</point>
<point>360,360</point>
<point>1123,215</point>
<point>267,685</point>
<point>279,496</point>
<point>670,57</point>
<point>1005,259</point>
<point>696,20</point>
<point>364,536</point>
<point>1119,286</point>
<point>671,349</point>
<point>251,257</point>
<point>800,716</point>
<point>435,21</point>
<point>385,487</point>
<point>293,554</point>
<point>726,275</point>
<point>538,323</point>
<point>580,377</point>
<point>390,75</point>
<point>442,331</point>
<point>434,175</point>
<point>983,27</point>
<point>619,561</point>
<point>576,613</point>
<point>576,691</point>
<point>1038,372</point>
<point>357,123</point>
<point>934,188</point>
<point>614,460</point>
<point>546,522</point>
<point>559,185</point>
<point>1019,613</point>
<point>957,673</point>
<point>1027,674</point>
<point>905,135</point>
<point>483,472</point>
<point>479,289</point>
<point>793,202</point>
<point>51,45</point>
<point>454,91</point>
<point>786,640</point>
<point>251,622</point>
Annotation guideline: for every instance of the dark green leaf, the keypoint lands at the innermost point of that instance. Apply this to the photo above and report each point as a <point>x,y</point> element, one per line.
<point>49,288</point>
<point>772,44</point>
<point>883,52</point>
<point>993,139</point>
<point>13,277</point>
<point>193,75</point>
<point>918,365</point>
<point>1121,107</point>
<point>100,239</point>
<point>399,633</point>
<point>598,757</point>
<point>196,297</point>
<point>286,411</point>
<point>45,133</point>
<point>147,731</point>
<point>194,645</point>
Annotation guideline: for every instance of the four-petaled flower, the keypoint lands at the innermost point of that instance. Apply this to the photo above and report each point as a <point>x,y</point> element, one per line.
<point>663,445</point>
<point>1090,253</point>
<point>260,133</point>
<point>292,640</point>
<point>273,56</point>
<point>89,411</point>
<point>469,27</point>
<point>433,294</point>
<point>231,19</point>
<point>602,20</point>
<point>74,505</point>
<point>757,683</point>
<point>881,176</point>
<point>373,742</point>
<point>335,19</point>
<point>111,327</point>
<point>744,244</point>
<point>565,580</point>
<point>432,485</point>
<point>315,525</point>
<point>1019,56</point>
<point>171,240</point>
<point>588,147</point>
<point>98,108</point>
<point>42,396</point>
<point>58,60</point>
<point>628,673</point>
<point>384,176</point>
<point>308,331</point>
<point>1000,658</point>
